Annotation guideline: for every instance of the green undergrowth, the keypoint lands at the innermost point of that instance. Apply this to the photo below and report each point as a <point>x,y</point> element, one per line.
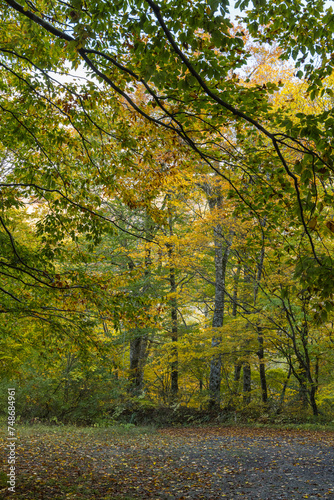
<point>133,420</point>
<point>40,429</point>
<point>131,431</point>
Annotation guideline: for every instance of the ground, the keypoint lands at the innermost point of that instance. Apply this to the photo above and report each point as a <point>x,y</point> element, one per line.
<point>171,464</point>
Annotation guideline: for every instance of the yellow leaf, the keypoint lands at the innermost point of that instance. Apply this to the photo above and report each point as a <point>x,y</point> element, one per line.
<point>312,223</point>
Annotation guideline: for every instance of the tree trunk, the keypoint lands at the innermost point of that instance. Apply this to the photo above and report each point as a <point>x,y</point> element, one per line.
<point>236,378</point>
<point>174,320</point>
<point>303,386</point>
<point>247,379</point>
<point>313,401</point>
<point>235,292</point>
<point>218,318</point>
<point>221,259</point>
<point>263,380</point>
<point>260,352</point>
<point>314,388</point>
<point>307,375</point>
<point>136,375</point>
<point>313,385</point>
<point>307,383</point>
<point>237,364</point>
<point>138,345</point>
<point>246,368</point>
<point>237,371</point>
<point>174,363</point>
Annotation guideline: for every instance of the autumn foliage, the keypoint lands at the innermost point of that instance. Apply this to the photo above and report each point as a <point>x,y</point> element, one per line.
<point>166,210</point>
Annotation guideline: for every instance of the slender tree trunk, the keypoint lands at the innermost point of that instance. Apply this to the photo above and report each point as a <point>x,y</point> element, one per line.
<point>303,386</point>
<point>237,371</point>
<point>260,352</point>
<point>236,378</point>
<point>247,380</point>
<point>174,319</point>
<point>138,345</point>
<point>221,259</point>
<point>237,364</point>
<point>307,378</point>
<point>135,376</point>
<point>246,368</point>
<point>235,292</point>
<point>314,388</point>
<point>174,363</point>
<point>263,379</point>
<point>138,357</point>
<point>307,383</point>
<point>217,322</point>
<point>311,380</point>
<point>313,401</point>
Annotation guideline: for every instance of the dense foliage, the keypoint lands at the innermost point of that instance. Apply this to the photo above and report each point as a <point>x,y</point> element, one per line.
<point>166,206</point>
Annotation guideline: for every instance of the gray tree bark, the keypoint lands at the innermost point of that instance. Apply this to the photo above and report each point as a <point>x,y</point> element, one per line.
<point>222,250</point>
<point>174,316</point>
<point>247,381</point>
<point>139,344</point>
<point>260,352</point>
<point>246,368</point>
<point>138,348</point>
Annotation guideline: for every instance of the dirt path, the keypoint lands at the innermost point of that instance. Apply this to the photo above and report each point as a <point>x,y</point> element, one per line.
<point>257,465</point>
<point>175,464</point>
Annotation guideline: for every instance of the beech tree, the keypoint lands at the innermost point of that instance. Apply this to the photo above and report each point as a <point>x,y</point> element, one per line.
<point>187,58</point>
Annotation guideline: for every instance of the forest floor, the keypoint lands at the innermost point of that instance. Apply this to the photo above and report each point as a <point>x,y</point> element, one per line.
<point>170,464</point>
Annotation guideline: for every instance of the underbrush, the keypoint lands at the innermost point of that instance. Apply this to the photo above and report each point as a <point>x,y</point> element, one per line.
<point>45,429</point>
<point>135,422</point>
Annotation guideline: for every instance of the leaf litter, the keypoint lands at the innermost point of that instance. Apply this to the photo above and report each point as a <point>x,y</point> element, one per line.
<point>174,464</point>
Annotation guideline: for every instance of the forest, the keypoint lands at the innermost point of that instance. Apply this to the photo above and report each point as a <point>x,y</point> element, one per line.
<point>166,214</point>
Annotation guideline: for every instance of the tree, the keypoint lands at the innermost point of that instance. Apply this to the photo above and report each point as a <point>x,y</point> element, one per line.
<point>185,57</point>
